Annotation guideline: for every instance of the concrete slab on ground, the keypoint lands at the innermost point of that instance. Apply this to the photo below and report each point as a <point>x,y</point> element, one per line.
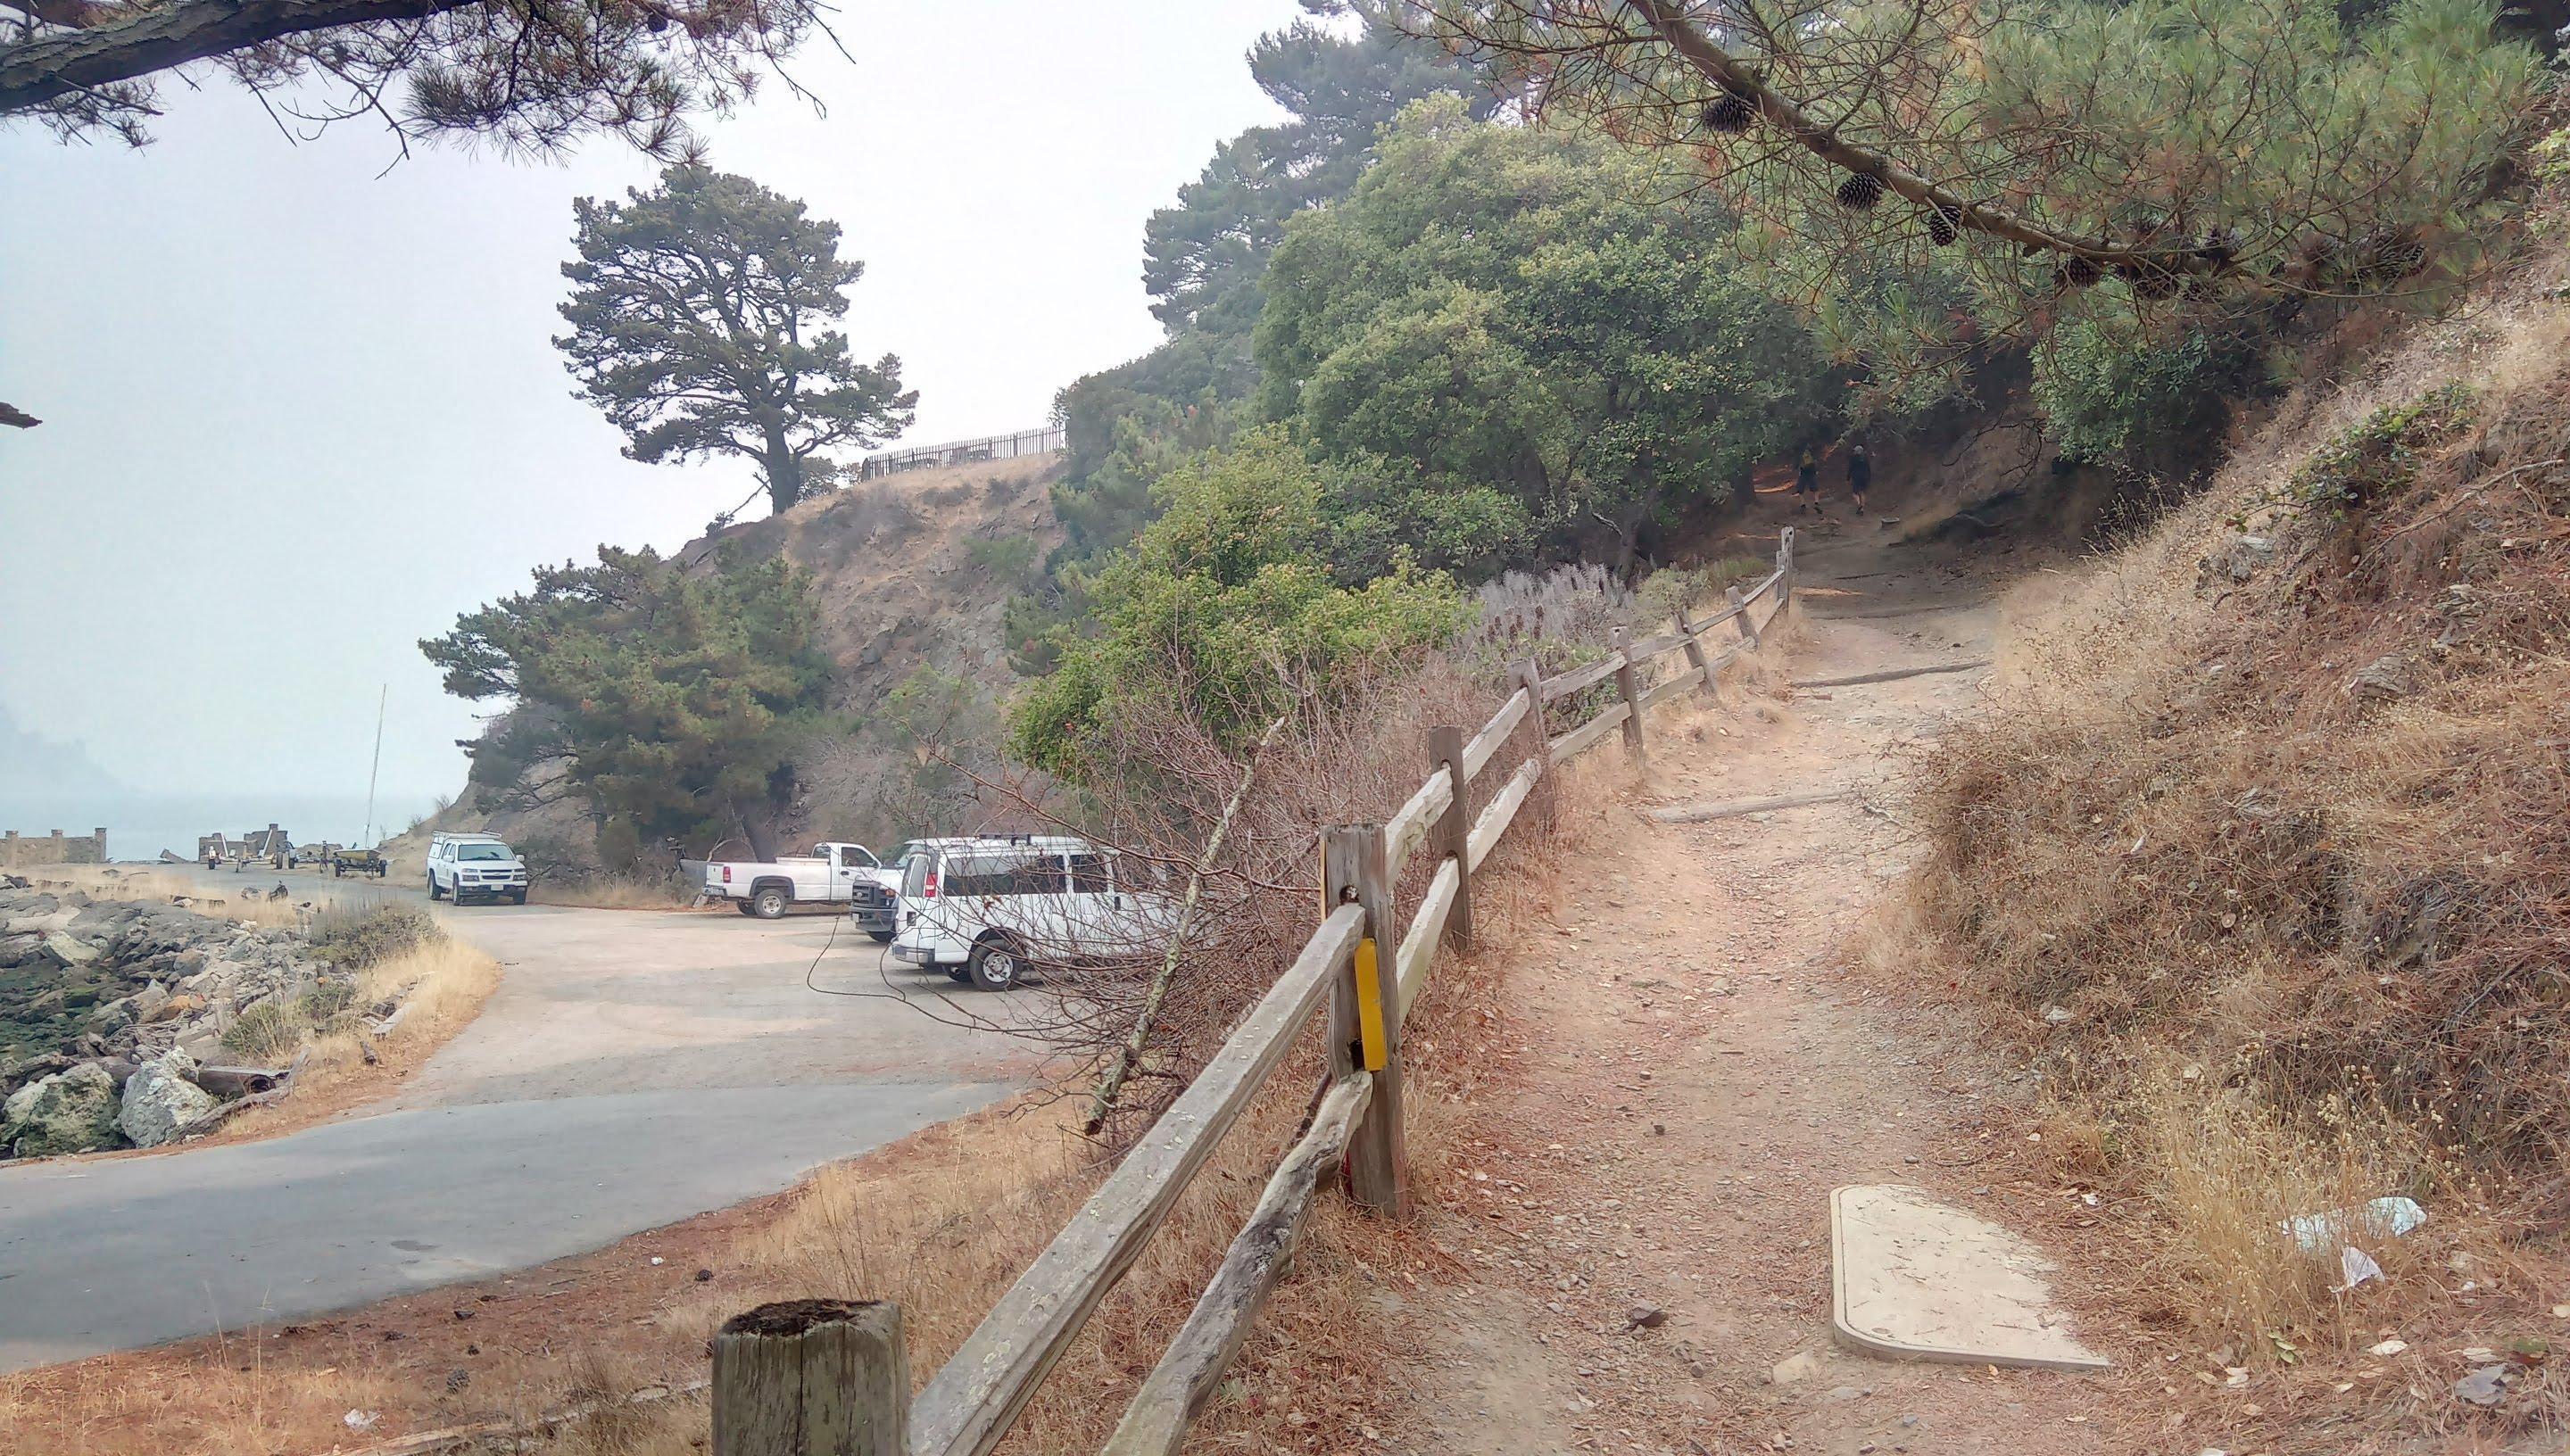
<point>1917,1279</point>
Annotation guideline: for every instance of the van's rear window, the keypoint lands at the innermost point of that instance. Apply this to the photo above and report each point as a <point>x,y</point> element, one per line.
<point>1012,872</point>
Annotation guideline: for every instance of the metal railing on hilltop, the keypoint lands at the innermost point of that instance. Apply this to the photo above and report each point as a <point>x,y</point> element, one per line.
<point>1046,441</point>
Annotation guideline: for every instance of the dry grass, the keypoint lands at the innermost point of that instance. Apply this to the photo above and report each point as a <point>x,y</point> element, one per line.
<point>259,1392</point>
<point>2274,944</point>
<point>610,892</point>
<point>248,903</point>
<point>2229,1172</point>
<point>441,984</point>
<point>237,1400</point>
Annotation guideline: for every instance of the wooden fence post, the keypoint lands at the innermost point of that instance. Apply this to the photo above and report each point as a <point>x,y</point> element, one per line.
<point>1353,871</point>
<point>812,1377</point>
<point>1785,563</point>
<point>1342,858</point>
<point>1453,831</point>
<point>1695,656</point>
<point>1739,616</point>
<point>1624,688</point>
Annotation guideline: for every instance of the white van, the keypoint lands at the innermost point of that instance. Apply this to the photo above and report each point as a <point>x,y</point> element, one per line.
<point>462,867</point>
<point>980,908</point>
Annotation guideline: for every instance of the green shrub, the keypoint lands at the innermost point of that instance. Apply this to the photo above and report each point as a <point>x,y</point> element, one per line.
<point>1226,608</point>
<point>267,1034</point>
<point>355,940</point>
<point>2380,455</point>
<point>1007,560</point>
<point>2112,396</point>
<point>1664,591</point>
<point>619,845</point>
<point>325,1000</point>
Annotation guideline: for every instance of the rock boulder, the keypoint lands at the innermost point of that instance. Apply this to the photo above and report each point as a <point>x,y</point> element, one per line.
<point>160,1100</point>
<point>70,1111</point>
<point>70,949</point>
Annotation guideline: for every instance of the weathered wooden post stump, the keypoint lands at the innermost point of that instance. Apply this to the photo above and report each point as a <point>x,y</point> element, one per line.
<point>1696,662</point>
<point>1629,687</point>
<point>812,1377</point>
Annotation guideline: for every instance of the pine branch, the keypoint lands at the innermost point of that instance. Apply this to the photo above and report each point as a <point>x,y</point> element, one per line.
<point>37,72</point>
<point>1718,66</point>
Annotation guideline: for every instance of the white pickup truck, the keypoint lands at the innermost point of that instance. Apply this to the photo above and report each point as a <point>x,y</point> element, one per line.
<point>835,873</point>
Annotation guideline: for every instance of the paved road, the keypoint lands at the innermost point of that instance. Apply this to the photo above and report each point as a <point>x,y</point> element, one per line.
<point>633,1068</point>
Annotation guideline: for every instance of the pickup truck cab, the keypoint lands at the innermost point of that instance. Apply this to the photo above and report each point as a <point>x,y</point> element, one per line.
<point>835,873</point>
<point>982,908</point>
<point>464,867</point>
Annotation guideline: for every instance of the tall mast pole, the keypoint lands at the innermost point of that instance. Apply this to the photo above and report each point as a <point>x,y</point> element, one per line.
<point>377,766</point>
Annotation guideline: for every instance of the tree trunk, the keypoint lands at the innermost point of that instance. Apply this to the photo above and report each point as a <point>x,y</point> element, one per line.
<point>783,469</point>
<point>755,828</point>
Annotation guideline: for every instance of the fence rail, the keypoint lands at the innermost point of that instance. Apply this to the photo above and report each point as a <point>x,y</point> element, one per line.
<point>1371,971</point>
<point>964,452</point>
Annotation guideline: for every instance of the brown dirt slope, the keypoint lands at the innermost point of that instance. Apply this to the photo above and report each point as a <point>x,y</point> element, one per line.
<point>2260,858</point>
<point>1690,1063</point>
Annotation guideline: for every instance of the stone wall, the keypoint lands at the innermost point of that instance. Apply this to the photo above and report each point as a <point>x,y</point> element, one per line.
<point>24,850</point>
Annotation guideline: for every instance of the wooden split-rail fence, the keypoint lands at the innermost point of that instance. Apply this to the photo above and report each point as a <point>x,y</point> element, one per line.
<point>822,1377</point>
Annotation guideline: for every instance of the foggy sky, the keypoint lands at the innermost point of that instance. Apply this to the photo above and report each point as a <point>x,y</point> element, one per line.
<point>297,417</point>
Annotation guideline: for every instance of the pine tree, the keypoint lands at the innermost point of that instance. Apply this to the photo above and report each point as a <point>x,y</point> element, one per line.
<point>699,313</point>
<point>671,699</point>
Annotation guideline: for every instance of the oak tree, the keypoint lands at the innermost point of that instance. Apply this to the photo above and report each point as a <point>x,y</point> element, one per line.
<point>1523,318</point>
<point>1204,258</point>
<point>700,315</point>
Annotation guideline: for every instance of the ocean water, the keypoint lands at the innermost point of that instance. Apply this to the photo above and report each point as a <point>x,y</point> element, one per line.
<point>140,826</point>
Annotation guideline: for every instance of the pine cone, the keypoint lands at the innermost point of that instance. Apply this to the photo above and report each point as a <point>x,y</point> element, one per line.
<point>2388,256</point>
<point>1730,112</point>
<point>1859,192</point>
<point>1944,224</point>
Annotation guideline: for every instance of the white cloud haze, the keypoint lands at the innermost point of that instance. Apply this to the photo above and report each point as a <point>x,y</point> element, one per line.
<point>299,416</point>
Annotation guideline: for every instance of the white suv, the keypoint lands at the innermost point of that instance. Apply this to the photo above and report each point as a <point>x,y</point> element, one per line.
<point>465,866</point>
<point>980,908</point>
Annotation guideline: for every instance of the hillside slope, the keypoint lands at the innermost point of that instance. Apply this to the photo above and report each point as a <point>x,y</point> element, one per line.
<point>2260,861</point>
<point>912,575</point>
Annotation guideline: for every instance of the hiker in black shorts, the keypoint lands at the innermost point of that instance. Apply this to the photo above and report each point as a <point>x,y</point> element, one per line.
<point>1859,468</point>
<point>1807,481</point>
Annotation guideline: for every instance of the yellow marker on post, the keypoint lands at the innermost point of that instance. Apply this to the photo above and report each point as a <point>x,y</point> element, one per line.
<point>1369,1007</point>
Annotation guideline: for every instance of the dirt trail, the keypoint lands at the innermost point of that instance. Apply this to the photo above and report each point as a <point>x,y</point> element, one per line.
<point>1688,1071</point>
